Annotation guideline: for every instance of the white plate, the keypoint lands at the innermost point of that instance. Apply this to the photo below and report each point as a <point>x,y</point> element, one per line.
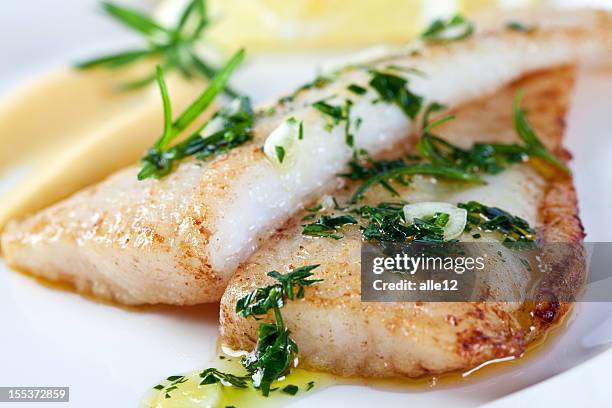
<point>111,356</point>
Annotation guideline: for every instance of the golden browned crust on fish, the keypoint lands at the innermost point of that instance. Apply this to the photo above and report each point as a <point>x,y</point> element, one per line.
<point>336,332</point>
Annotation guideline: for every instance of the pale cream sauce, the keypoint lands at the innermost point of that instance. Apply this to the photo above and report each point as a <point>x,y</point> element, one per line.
<point>69,129</point>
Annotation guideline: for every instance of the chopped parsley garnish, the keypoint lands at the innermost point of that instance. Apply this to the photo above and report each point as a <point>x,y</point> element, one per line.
<point>373,172</point>
<point>327,226</point>
<point>318,83</point>
<point>484,218</point>
<point>334,112</point>
<point>280,153</point>
<point>173,383</point>
<point>235,122</point>
<point>518,26</point>
<point>173,47</point>
<point>356,89</point>
<point>393,89</point>
<point>310,385</point>
<point>291,389</point>
<point>337,114</point>
<point>363,167</point>
<point>387,223</point>
<point>442,31</point>
<point>275,351</point>
<point>261,300</point>
<point>273,356</point>
<point>213,376</point>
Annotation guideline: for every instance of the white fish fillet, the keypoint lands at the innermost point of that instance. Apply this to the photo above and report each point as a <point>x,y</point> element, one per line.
<point>337,332</point>
<point>178,240</point>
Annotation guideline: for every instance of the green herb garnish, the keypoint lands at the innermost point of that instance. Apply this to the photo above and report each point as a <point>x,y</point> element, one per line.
<point>310,385</point>
<point>356,89</point>
<point>363,167</point>
<point>327,226</point>
<point>318,83</point>
<point>275,351</point>
<point>491,158</point>
<point>387,223</point>
<point>535,147</point>
<point>213,376</point>
<point>236,121</point>
<point>334,112</point>
<point>482,157</point>
<point>261,300</point>
<point>484,218</point>
<point>337,114</point>
<point>273,356</point>
<point>280,153</point>
<point>393,89</point>
<point>448,172</point>
<point>173,47</point>
<point>518,26</point>
<point>174,382</point>
<point>291,389</point>
<point>442,31</point>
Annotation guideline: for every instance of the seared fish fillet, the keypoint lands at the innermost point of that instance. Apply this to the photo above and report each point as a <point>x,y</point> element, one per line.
<point>178,240</point>
<point>338,333</point>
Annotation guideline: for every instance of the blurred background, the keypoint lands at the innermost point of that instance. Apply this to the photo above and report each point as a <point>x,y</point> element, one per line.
<point>76,28</point>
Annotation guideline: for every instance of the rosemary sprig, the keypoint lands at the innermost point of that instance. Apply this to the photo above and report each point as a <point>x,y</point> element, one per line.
<point>173,47</point>
<point>490,158</point>
<point>534,146</point>
<point>160,159</point>
<point>452,173</point>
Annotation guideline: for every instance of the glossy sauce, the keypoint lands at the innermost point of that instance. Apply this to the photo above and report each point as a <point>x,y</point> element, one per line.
<point>191,394</point>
